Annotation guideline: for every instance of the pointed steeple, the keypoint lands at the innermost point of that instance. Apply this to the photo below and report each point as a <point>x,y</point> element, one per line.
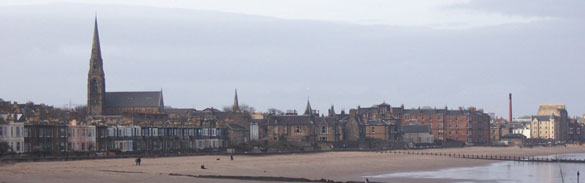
<point>96,82</point>
<point>331,112</point>
<point>95,48</point>
<point>236,107</point>
<point>308,110</point>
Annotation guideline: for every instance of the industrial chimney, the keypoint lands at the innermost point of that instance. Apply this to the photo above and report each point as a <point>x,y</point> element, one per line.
<point>510,110</point>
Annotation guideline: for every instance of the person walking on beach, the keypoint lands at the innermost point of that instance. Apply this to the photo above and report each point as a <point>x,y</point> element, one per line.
<point>138,161</point>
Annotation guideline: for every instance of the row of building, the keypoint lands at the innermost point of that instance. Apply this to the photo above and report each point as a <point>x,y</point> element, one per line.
<point>23,137</point>
<point>190,129</point>
<point>551,123</point>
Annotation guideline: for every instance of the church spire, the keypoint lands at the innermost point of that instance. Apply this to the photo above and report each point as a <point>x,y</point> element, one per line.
<point>308,110</point>
<point>96,51</point>
<point>236,107</point>
<point>96,82</point>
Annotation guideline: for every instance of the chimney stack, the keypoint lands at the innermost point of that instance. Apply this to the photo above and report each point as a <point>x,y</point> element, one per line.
<point>510,110</point>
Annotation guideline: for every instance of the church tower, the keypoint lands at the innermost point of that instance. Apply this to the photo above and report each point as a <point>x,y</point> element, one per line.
<point>96,81</point>
<point>236,106</point>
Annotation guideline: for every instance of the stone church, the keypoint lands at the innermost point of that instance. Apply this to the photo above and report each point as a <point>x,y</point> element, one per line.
<point>100,102</point>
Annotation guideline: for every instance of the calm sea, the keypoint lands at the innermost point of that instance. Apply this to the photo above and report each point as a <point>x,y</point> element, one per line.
<point>503,172</point>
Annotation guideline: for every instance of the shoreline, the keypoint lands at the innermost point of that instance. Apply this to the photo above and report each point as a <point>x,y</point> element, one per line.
<point>337,166</point>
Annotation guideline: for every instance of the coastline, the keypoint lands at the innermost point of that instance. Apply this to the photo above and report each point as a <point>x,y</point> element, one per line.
<point>338,166</point>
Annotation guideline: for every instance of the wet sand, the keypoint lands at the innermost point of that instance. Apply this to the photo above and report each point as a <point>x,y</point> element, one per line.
<point>339,166</point>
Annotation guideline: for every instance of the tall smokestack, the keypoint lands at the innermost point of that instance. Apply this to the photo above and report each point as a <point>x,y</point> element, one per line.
<point>510,110</point>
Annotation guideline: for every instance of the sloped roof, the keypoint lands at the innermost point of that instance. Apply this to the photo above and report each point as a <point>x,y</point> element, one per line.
<point>134,99</point>
<point>325,121</point>
<point>259,121</point>
<point>233,126</point>
<point>291,120</point>
<point>542,118</point>
<point>416,129</point>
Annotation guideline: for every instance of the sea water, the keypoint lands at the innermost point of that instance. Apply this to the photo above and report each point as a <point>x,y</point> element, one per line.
<point>504,172</point>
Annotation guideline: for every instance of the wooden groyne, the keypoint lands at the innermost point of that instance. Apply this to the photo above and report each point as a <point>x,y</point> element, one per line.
<point>489,156</point>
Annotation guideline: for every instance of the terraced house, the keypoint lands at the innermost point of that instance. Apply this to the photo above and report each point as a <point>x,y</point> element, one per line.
<point>306,129</point>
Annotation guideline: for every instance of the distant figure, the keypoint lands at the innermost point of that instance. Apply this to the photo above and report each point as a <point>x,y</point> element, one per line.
<point>232,157</point>
<point>138,161</point>
<point>367,180</point>
<point>217,159</point>
<point>203,167</point>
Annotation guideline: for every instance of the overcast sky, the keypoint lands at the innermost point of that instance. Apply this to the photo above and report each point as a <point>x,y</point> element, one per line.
<point>279,53</point>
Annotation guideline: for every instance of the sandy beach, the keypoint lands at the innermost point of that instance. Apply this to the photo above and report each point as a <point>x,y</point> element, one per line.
<point>339,166</point>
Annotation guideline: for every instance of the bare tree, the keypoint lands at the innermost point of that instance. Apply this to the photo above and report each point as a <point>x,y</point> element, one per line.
<point>243,108</point>
<point>275,111</point>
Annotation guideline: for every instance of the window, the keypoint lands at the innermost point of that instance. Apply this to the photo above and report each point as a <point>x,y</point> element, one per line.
<point>323,139</point>
<point>83,132</point>
<point>94,86</point>
<point>83,146</point>
<point>373,129</point>
<point>17,145</point>
<point>1,131</point>
<point>323,129</point>
<point>18,133</point>
<point>407,117</point>
<point>440,117</point>
<point>298,129</point>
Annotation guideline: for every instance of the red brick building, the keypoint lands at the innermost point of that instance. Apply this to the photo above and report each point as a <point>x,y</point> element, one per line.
<point>464,125</point>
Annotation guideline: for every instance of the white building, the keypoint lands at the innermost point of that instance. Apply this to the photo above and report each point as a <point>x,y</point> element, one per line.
<point>523,130</point>
<point>13,134</point>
